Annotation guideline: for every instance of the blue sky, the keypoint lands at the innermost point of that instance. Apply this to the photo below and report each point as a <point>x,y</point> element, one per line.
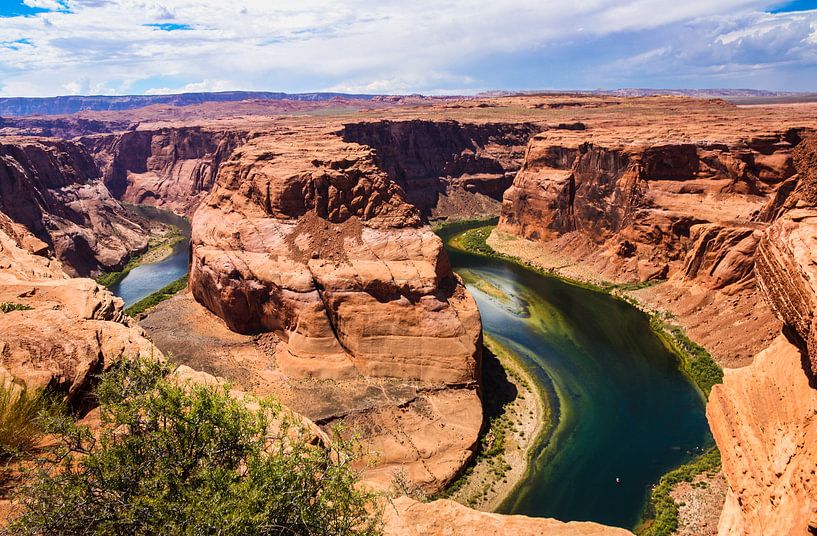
<point>61,47</point>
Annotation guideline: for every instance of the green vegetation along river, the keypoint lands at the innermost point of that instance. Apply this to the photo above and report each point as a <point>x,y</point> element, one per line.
<point>626,414</point>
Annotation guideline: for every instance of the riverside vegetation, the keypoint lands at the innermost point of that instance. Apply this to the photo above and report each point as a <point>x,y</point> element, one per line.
<point>158,248</point>
<point>208,463</point>
<point>661,513</point>
<point>516,416</point>
<point>164,293</point>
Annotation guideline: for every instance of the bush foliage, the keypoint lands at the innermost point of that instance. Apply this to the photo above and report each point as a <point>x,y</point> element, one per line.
<point>7,307</point>
<point>19,420</point>
<point>172,459</point>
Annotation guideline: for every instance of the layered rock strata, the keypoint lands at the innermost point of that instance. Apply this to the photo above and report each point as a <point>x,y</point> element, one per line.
<point>763,416</point>
<point>319,246</point>
<point>54,189</point>
<point>167,167</point>
<point>642,205</point>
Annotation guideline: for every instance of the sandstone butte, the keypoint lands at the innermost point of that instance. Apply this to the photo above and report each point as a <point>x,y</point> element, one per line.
<point>309,233</point>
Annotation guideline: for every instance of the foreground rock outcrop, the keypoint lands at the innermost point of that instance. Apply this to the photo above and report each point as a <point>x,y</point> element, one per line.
<point>763,416</point>
<point>763,419</point>
<point>67,329</point>
<point>407,517</point>
<point>54,189</point>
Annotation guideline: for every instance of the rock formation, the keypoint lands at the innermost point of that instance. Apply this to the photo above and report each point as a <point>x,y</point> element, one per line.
<point>640,204</point>
<point>438,162</point>
<point>310,240</point>
<point>763,416</point>
<point>167,167</point>
<point>407,517</point>
<point>315,244</point>
<point>53,188</point>
<point>68,329</point>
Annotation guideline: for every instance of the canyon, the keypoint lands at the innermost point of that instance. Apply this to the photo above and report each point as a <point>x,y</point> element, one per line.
<point>315,277</point>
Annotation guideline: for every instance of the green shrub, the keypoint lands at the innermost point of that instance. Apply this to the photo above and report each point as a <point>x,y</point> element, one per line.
<point>19,424</point>
<point>696,362</point>
<point>7,307</point>
<point>476,241</point>
<point>191,459</point>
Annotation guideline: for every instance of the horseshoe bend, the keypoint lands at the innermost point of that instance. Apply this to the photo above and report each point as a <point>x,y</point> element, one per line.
<point>550,312</point>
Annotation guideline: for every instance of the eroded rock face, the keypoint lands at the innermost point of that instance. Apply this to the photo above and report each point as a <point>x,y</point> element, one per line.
<point>407,517</point>
<point>436,160</point>
<point>169,167</point>
<point>319,246</point>
<point>649,199</point>
<point>722,257</point>
<point>53,188</point>
<point>763,419</point>
<point>310,240</point>
<point>786,269</point>
<point>73,329</point>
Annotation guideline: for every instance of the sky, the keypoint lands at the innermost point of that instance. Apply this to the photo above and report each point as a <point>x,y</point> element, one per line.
<point>114,47</point>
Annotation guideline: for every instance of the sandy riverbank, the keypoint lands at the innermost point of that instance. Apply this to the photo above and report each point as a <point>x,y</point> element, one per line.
<point>518,415</point>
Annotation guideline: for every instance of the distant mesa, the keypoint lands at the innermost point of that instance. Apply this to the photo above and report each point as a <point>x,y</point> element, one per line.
<point>19,106</point>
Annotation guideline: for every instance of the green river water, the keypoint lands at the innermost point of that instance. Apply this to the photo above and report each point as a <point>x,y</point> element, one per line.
<point>624,409</point>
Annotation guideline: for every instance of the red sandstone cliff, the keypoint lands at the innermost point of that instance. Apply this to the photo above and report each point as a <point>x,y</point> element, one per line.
<point>305,237</point>
<point>54,189</point>
<point>763,416</point>
<point>640,204</point>
<point>441,165</point>
<point>167,167</point>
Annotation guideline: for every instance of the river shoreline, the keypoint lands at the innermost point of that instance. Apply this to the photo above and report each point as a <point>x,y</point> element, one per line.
<point>484,242</point>
<point>160,247</point>
<point>506,445</point>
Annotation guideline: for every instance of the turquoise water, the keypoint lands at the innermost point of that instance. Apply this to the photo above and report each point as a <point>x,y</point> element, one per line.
<point>146,279</point>
<point>625,411</point>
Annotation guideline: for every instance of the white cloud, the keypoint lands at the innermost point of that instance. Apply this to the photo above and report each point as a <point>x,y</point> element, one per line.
<point>375,46</point>
<point>44,4</point>
<point>195,87</point>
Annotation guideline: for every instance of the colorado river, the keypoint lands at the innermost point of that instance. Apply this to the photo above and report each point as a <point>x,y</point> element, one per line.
<point>150,277</point>
<point>626,414</point>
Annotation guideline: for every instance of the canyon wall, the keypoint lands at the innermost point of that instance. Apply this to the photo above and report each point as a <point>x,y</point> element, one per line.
<point>644,208</point>
<point>763,416</point>
<point>443,165</point>
<point>603,206</point>
<point>169,167</point>
<point>53,188</point>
